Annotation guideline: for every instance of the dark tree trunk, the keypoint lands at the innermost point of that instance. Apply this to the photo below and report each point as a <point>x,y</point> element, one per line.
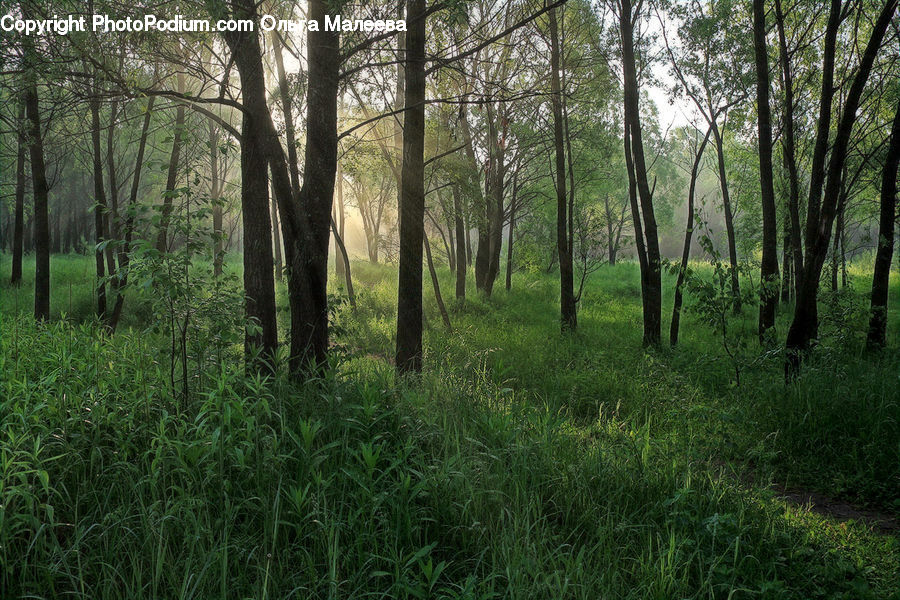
<point>729,218</point>
<point>461,239</point>
<point>568,315</point>
<point>787,284</point>
<point>804,327</point>
<point>445,317</point>
<point>789,153</point>
<point>129,222</point>
<point>686,249</point>
<point>19,211</point>
<point>344,259</point>
<point>769,269</point>
<point>509,241</point>
<point>215,187</point>
<point>40,192</point>
<point>339,272</point>
<point>111,216</point>
<point>99,207</point>
<point>412,197</point>
<point>162,240</point>
<point>886,223</point>
<point>259,278</point>
<point>652,280</point>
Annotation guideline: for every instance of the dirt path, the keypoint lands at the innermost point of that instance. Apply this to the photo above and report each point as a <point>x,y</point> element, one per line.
<point>837,509</point>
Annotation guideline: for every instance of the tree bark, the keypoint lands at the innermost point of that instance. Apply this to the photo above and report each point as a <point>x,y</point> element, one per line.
<point>412,196</point>
<point>568,315</point>
<point>259,277</point>
<point>162,240</point>
<point>686,248</point>
<point>881,277</point>
<point>19,211</point>
<point>40,191</point>
<point>461,239</point>
<point>789,153</point>
<point>729,218</point>
<point>99,207</point>
<point>769,268</point>
<point>124,252</point>
<point>651,286</point>
<point>437,286</point>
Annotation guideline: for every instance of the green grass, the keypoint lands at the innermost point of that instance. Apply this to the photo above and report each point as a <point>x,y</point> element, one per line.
<point>522,464</point>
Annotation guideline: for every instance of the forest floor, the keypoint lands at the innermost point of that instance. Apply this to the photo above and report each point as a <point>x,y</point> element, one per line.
<point>522,464</point>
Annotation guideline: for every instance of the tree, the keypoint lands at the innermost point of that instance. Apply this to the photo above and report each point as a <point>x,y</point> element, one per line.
<point>568,316</point>
<point>885,249</point>
<point>769,268</point>
<point>19,211</point>
<point>823,205</point>
<point>412,195</point>
<point>646,236</point>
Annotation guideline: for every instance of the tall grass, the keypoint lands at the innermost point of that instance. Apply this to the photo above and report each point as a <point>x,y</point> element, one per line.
<point>522,464</point>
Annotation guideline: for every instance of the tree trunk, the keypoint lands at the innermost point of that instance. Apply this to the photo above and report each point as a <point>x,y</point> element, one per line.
<point>769,269</point>
<point>729,218</point>
<point>111,216</point>
<point>307,232</point>
<point>40,191</point>
<point>19,211</point>
<point>789,153</point>
<point>686,248</point>
<point>412,196</point>
<point>568,316</point>
<point>437,287</point>
<point>509,241</point>
<point>215,187</point>
<point>339,271</point>
<point>881,277</point>
<point>259,276</point>
<point>99,207</point>
<point>652,280</point>
<point>125,249</point>
<point>344,259</point>
<point>276,240</point>
<point>162,240</point>
<point>461,240</point>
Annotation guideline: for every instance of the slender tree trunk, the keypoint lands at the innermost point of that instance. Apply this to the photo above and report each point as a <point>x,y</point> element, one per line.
<point>686,248</point>
<point>568,316</point>
<point>509,241</point>
<point>40,191</point>
<point>461,242</point>
<point>344,259</point>
<point>769,269</point>
<point>162,240</point>
<point>412,195</point>
<point>729,218</point>
<point>652,279</point>
<point>99,207</point>
<point>437,286</point>
<point>881,277</point>
<point>787,284</point>
<point>19,211</point>
<point>276,240</point>
<point>215,187</point>
<point>339,271</point>
<point>111,216</point>
<point>789,154</point>
<point>125,249</point>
